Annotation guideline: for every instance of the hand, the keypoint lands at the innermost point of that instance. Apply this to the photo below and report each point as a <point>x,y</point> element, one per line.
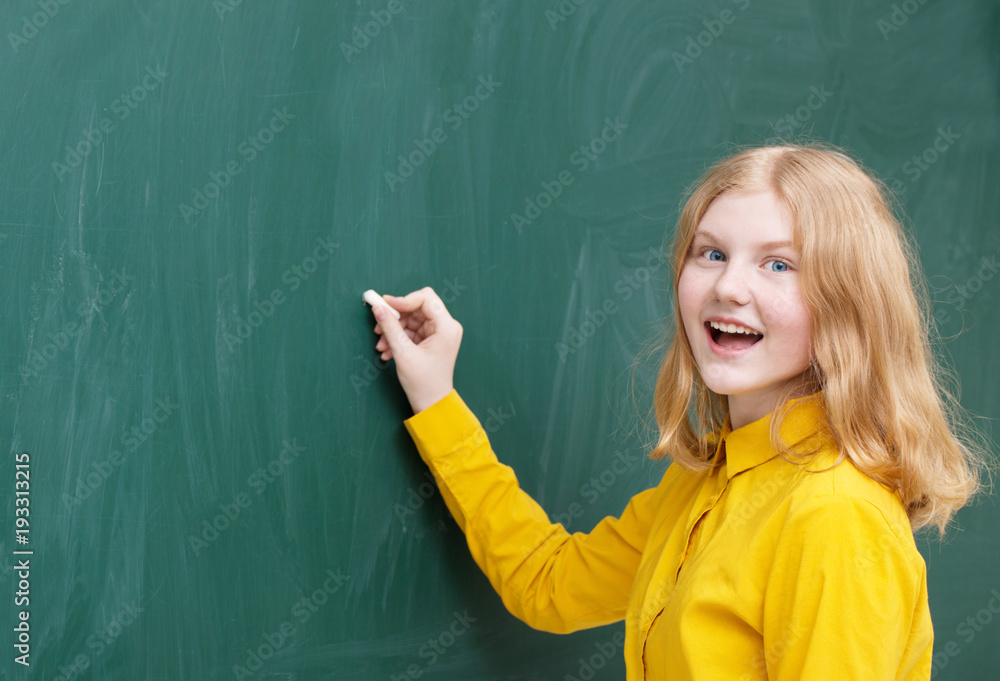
<point>425,343</point>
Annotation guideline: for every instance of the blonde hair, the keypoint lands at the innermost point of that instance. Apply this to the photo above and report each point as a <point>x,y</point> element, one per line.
<point>885,395</point>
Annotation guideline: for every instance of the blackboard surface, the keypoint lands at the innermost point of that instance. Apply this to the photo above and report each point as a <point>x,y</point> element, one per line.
<point>194,195</point>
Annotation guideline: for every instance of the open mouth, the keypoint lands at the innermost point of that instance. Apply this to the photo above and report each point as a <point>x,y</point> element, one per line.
<point>732,336</point>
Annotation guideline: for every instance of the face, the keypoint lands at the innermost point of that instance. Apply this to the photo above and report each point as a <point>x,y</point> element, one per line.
<point>741,304</point>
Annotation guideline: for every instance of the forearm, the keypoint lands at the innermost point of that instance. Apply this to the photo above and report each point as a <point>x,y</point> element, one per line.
<point>546,577</point>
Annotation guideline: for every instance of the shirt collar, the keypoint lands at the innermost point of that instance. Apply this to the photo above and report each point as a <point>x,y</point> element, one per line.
<point>750,445</point>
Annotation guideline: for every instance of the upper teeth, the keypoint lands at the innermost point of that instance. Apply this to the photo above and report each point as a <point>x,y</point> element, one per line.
<point>733,328</point>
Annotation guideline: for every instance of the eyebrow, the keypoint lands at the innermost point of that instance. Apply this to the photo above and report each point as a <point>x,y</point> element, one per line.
<point>766,246</point>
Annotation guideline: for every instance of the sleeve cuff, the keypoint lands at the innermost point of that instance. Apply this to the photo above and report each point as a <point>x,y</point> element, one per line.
<point>444,424</point>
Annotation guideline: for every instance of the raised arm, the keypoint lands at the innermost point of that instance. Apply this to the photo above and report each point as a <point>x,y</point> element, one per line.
<point>546,577</point>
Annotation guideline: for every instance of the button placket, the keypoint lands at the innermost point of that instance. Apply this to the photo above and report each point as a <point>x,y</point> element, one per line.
<point>691,534</point>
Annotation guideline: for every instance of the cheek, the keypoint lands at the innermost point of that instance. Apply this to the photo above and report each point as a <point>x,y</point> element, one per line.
<point>788,314</point>
<point>688,300</point>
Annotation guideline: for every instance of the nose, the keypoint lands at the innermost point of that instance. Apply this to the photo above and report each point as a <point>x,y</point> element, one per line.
<point>733,284</point>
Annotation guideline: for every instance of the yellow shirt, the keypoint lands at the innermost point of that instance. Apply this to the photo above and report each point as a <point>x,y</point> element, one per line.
<point>756,570</point>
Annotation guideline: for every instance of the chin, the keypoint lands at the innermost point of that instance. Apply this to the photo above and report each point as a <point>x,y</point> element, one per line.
<point>733,390</point>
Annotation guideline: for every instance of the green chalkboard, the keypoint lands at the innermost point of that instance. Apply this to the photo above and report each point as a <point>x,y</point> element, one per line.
<point>194,195</point>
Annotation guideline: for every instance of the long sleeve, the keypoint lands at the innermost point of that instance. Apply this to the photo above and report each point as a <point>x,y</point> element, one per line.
<point>546,577</point>
<point>846,598</point>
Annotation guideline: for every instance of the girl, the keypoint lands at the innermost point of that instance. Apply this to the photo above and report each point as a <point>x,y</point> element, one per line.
<point>779,545</point>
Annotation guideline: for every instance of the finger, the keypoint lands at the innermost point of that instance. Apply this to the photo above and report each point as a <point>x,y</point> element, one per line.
<point>393,333</point>
<point>425,304</point>
<point>382,346</point>
<point>383,343</point>
<point>407,303</point>
<point>387,307</point>
<point>409,321</point>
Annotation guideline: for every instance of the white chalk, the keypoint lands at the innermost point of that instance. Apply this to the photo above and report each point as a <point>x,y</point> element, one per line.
<point>374,299</point>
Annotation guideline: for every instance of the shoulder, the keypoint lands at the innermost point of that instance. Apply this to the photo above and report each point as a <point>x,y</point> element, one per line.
<point>839,508</point>
<point>824,481</point>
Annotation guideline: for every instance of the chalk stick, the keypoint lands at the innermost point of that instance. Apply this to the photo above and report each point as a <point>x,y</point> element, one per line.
<point>374,299</point>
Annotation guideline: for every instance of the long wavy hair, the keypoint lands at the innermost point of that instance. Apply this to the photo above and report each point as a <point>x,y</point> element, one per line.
<point>888,401</point>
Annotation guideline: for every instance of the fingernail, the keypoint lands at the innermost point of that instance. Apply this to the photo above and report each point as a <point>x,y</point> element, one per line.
<point>379,313</point>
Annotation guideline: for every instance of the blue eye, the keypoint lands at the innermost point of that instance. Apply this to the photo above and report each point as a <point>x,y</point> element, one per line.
<point>778,266</point>
<point>712,253</point>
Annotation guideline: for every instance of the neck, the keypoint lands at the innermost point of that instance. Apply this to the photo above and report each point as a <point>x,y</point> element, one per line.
<point>746,408</point>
